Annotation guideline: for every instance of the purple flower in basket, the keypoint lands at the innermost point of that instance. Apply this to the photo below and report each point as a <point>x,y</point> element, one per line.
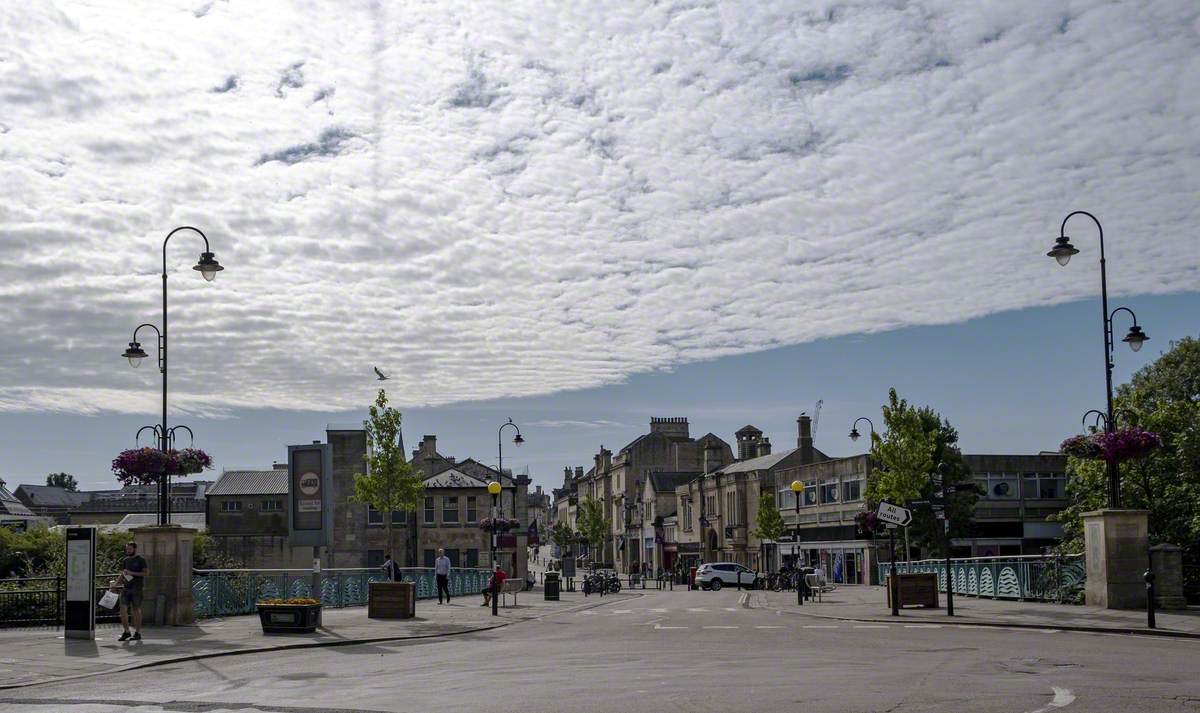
<point>146,465</point>
<point>1084,447</point>
<point>1127,444</point>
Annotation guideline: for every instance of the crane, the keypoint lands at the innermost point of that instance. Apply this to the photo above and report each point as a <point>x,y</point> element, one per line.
<point>817,417</point>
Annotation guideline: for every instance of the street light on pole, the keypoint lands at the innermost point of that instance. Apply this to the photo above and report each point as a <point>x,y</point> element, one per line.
<point>493,489</point>
<point>208,267</point>
<point>854,435</point>
<point>1062,252</point>
<point>517,440</point>
<point>797,488</point>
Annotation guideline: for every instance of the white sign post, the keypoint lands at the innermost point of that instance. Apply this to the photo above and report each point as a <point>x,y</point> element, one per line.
<point>893,514</point>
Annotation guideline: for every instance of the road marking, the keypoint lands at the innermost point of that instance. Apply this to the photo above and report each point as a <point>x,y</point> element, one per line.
<point>1050,631</point>
<point>731,608</point>
<point>1063,697</point>
<point>658,611</point>
<point>719,627</point>
<point>819,626</point>
<point>697,609</point>
<point>922,626</point>
<point>768,627</point>
<point>622,611</point>
<point>870,626</point>
<point>660,626</point>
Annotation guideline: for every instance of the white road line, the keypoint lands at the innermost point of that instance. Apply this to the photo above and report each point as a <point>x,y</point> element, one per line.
<point>622,611</point>
<point>658,611</point>
<point>768,627</point>
<point>719,627</point>
<point>922,626</point>
<point>870,626</point>
<point>697,609</point>
<point>660,626</point>
<point>819,626</point>
<point>1049,631</point>
<point>731,608</point>
<point>1063,697</point>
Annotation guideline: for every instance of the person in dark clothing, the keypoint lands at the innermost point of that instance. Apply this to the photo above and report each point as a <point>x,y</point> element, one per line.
<point>391,569</point>
<point>441,570</point>
<point>133,576</point>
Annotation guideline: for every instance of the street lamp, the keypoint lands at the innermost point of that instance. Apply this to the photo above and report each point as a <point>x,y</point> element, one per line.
<point>208,267</point>
<point>797,488</point>
<point>517,441</point>
<point>943,470</point>
<point>854,435</point>
<point>493,488</point>
<point>1062,252</point>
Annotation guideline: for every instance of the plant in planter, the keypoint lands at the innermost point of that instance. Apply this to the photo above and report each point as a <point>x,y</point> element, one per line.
<point>288,616</point>
<point>1116,447</point>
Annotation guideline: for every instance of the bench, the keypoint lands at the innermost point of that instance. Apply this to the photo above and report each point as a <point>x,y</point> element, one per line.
<point>511,586</point>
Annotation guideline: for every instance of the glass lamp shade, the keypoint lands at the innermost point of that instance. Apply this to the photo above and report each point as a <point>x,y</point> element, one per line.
<point>518,440</point>
<point>797,486</point>
<point>1062,250</point>
<point>135,354</point>
<point>1135,338</point>
<point>854,434</point>
<point>493,488</point>
<point>208,266</point>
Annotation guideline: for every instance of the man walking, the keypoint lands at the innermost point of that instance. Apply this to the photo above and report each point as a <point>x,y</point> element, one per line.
<point>133,576</point>
<point>441,568</point>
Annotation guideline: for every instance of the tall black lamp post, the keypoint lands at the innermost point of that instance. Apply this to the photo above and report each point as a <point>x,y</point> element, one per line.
<point>208,267</point>
<point>1062,252</point>
<point>797,489</point>
<point>517,441</point>
<point>493,489</point>
<point>944,470</point>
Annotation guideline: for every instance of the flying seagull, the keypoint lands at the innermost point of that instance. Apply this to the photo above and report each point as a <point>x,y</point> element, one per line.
<point>380,374</point>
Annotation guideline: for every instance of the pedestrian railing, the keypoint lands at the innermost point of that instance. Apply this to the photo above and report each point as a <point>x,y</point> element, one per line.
<point>38,601</point>
<point>230,592</point>
<point>1044,578</point>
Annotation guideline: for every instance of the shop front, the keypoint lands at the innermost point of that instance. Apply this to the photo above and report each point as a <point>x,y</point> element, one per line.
<point>845,562</point>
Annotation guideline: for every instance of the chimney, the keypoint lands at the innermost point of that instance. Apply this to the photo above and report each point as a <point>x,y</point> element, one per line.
<point>764,448</point>
<point>578,471</point>
<point>805,440</point>
<point>674,427</point>
<point>539,491</point>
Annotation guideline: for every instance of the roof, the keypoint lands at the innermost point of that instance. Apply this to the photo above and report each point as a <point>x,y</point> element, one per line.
<point>187,519</point>
<point>454,478</point>
<point>760,463</point>
<point>267,481</point>
<point>9,505</point>
<point>52,496</point>
<point>747,429</point>
<point>667,482</point>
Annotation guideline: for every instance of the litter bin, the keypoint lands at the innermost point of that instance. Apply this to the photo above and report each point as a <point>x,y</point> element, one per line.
<point>550,586</point>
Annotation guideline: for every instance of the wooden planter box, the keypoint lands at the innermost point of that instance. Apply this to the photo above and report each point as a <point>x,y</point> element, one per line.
<point>289,618</point>
<point>391,600</point>
<point>916,589</point>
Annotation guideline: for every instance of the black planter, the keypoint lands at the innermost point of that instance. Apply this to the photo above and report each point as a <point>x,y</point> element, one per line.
<point>289,618</point>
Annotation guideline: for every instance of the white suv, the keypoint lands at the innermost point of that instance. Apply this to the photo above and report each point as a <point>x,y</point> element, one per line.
<point>715,575</point>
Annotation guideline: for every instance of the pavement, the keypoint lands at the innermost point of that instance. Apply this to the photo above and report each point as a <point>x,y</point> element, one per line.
<point>39,655</point>
<point>869,603</point>
<point>669,651</point>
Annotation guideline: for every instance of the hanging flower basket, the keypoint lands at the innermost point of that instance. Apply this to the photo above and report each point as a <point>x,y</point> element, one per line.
<point>503,524</point>
<point>143,466</point>
<point>868,521</point>
<point>1116,447</point>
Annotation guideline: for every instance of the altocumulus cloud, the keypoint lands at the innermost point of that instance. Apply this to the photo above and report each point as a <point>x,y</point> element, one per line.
<point>510,198</point>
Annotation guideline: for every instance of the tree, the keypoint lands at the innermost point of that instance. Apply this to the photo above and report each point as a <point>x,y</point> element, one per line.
<point>1163,397</point>
<point>561,534</point>
<point>906,459</point>
<point>593,524</point>
<point>389,484</point>
<point>66,481</point>
<point>769,521</point>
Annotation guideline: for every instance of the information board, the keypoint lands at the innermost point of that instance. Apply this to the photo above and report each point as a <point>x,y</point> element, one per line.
<point>310,497</point>
<point>79,609</point>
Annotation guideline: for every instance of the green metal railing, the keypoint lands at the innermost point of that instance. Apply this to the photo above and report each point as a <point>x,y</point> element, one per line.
<point>1044,578</point>
<point>230,592</point>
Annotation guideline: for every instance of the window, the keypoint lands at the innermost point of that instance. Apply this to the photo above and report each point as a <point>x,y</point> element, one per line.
<point>999,486</point>
<point>374,517</point>
<point>453,555</point>
<point>449,508</point>
<point>272,506</point>
<point>231,505</point>
<point>429,516</point>
<point>430,557</point>
<point>810,493</point>
<point>829,491</point>
<point>399,517</point>
<point>1043,486</point>
<point>375,558</point>
<point>472,558</point>
<point>851,490</point>
<point>472,509</point>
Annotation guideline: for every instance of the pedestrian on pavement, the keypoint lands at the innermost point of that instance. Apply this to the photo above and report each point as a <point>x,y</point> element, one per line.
<point>441,568</point>
<point>133,576</point>
<point>498,577</point>
<point>391,569</point>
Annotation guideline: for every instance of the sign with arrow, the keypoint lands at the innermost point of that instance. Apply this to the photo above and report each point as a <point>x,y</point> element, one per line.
<point>893,514</point>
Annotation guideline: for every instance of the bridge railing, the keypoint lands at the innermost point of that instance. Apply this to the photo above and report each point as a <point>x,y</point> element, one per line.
<point>1043,578</point>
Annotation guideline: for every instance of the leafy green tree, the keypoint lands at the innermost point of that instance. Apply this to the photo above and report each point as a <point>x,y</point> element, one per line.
<point>1163,397</point>
<point>769,521</point>
<point>593,524</point>
<point>389,484</point>
<point>906,458</point>
<point>66,481</point>
<point>561,534</point>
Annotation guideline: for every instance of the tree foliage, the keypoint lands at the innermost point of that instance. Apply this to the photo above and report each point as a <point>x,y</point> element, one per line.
<point>66,481</point>
<point>561,534</point>
<point>1163,397</point>
<point>770,521</point>
<point>593,524</point>
<point>390,483</point>
<point>905,458</point>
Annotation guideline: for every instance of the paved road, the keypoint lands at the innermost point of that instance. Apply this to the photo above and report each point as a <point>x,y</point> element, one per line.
<point>695,651</point>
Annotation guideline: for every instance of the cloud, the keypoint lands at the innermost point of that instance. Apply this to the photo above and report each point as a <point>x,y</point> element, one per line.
<point>527,198</point>
<point>597,423</point>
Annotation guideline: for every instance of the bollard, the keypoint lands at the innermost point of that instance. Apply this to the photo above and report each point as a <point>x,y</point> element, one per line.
<point>1149,577</point>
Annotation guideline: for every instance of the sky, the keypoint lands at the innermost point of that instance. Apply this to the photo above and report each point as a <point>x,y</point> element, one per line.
<point>581,216</point>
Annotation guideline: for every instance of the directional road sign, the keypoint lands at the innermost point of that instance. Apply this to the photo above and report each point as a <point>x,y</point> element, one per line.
<point>893,514</point>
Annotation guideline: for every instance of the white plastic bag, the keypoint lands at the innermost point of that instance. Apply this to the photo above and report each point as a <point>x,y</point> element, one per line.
<point>109,600</point>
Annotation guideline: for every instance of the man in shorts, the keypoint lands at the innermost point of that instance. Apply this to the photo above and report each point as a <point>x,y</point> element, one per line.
<point>133,577</point>
<point>498,578</point>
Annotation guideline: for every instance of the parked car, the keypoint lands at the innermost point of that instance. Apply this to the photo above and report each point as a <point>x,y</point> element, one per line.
<point>714,575</point>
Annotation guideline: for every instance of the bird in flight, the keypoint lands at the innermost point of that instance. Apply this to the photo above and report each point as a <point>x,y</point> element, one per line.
<point>380,374</point>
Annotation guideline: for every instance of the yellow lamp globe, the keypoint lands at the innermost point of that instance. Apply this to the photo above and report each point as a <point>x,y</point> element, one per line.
<point>494,488</point>
<point>797,486</point>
